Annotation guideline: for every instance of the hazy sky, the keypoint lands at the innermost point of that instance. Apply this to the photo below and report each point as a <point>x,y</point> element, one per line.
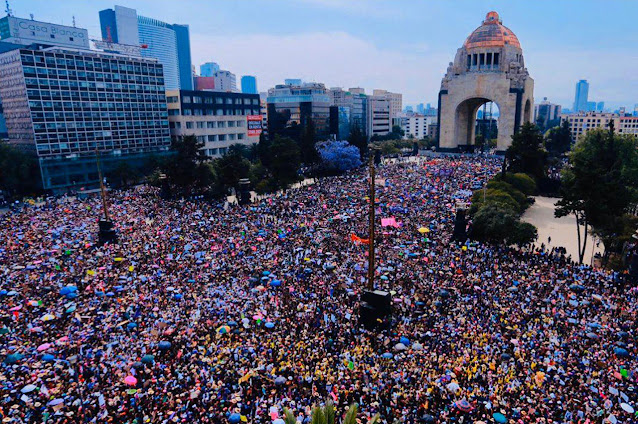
<point>398,45</point>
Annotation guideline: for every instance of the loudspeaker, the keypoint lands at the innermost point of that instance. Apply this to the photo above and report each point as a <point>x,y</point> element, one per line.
<point>415,148</point>
<point>375,308</point>
<point>107,233</point>
<point>380,300</point>
<point>377,157</point>
<point>244,191</point>
<point>459,226</point>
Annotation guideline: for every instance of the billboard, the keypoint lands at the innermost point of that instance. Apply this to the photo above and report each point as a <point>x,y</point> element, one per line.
<point>25,31</point>
<point>254,123</point>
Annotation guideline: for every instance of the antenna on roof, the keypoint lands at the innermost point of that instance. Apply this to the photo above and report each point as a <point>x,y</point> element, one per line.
<point>73,21</point>
<point>31,15</point>
<point>8,9</point>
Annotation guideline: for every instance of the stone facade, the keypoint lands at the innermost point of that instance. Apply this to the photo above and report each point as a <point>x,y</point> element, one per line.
<point>489,67</point>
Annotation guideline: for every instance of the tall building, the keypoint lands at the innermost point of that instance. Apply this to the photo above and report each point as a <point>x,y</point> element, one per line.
<point>600,107</point>
<point>299,103</point>
<point>170,44</point>
<point>583,122</point>
<point>64,104</point>
<point>356,102</point>
<point>395,99</point>
<point>379,116</point>
<point>580,99</point>
<point>249,84</point>
<point>418,126</point>
<point>636,109</point>
<point>225,81</point>
<point>216,119</point>
<point>24,31</point>
<point>420,108</point>
<point>547,114</point>
<point>208,69</point>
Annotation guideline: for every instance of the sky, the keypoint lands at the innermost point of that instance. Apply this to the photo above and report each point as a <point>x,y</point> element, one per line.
<point>398,45</point>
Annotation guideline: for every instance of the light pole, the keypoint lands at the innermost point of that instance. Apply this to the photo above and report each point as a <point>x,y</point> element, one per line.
<point>371,224</point>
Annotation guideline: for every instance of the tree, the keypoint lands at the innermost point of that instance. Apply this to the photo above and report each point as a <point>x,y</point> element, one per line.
<point>307,141</point>
<point>186,170</point>
<point>479,142</point>
<point>124,174</point>
<point>527,154</point>
<point>558,140</point>
<point>599,184</point>
<point>231,167</point>
<point>285,160</point>
<point>339,155</point>
<point>358,139</point>
<point>19,172</point>
<point>497,223</point>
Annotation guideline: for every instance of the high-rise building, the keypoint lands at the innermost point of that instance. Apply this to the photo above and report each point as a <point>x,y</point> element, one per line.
<point>208,69</point>
<point>170,44</point>
<point>395,99</point>
<point>299,104</point>
<point>217,119</point>
<point>600,107</point>
<point>225,81</point>
<point>583,122</point>
<point>582,92</point>
<point>547,114</point>
<point>591,106</point>
<point>356,101</point>
<point>636,109</point>
<point>292,81</point>
<point>420,108</point>
<point>249,84</point>
<point>110,103</point>
<point>24,31</point>
<point>379,116</point>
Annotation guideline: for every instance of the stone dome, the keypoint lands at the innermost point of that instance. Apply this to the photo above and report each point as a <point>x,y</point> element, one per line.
<point>491,34</point>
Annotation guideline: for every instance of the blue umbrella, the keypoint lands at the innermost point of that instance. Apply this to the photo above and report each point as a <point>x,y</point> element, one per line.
<point>99,293</point>
<point>13,358</point>
<point>131,325</point>
<point>47,357</point>
<point>387,355</point>
<point>164,345</point>
<point>270,325</point>
<point>3,293</point>
<point>148,359</point>
<point>275,283</point>
<point>232,323</point>
<point>234,418</point>
<point>444,293</point>
<point>619,351</point>
<point>178,296</point>
<point>499,418</point>
<point>110,294</point>
<point>266,273</point>
<point>404,340</point>
<point>72,295</point>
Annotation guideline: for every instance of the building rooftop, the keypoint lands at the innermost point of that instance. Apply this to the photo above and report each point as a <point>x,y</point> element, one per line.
<point>491,34</point>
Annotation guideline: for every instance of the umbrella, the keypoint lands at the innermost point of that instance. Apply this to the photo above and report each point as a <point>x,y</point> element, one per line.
<point>627,407</point>
<point>28,388</point>
<point>270,325</point>
<point>71,309</point>
<point>280,380</point>
<point>453,386</point>
<point>148,359</point>
<point>48,317</point>
<point>592,335</point>
<point>131,325</point>
<point>13,358</point>
<point>223,329</point>
<point>55,402</point>
<point>232,323</point>
<point>423,230</point>
<point>43,347</point>
<point>444,293</point>
<point>278,421</point>
<point>387,355</point>
<point>275,283</point>
<point>164,345</point>
<point>400,346</point>
<point>129,380</point>
<point>4,330</point>
<point>417,346</point>
<point>429,419</point>
<point>499,418</point>
<point>619,351</point>
<point>464,405</point>
<point>47,357</point>
<point>131,391</point>
<point>506,356</point>
<point>576,287</point>
<point>404,340</point>
<point>234,418</point>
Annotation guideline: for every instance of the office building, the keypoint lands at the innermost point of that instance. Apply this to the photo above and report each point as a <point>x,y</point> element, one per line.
<point>65,104</point>
<point>583,122</point>
<point>28,31</point>
<point>356,101</point>
<point>420,108</point>
<point>169,44</point>
<point>204,83</point>
<point>293,81</point>
<point>395,99</point>
<point>208,69</point>
<point>249,84</point>
<point>379,117</point>
<point>591,106</point>
<point>547,114</point>
<point>418,126</point>
<point>600,107</point>
<point>217,119</point>
<point>636,109</point>
<point>225,81</point>
<point>582,92</point>
<point>299,103</point>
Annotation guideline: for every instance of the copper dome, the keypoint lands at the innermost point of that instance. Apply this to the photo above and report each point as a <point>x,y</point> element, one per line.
<point>491,34</point>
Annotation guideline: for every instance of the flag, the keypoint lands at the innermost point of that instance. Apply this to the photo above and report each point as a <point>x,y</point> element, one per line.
<point>355,238</point>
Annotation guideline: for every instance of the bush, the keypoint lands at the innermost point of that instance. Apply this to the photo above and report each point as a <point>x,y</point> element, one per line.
<point>516,194</point>
<point>523,234</point>
<point>521,182</point>
<point>497,223</point>
<point>492,196</point>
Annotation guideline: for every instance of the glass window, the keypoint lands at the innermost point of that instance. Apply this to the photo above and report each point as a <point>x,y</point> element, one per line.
<point>189,125</point>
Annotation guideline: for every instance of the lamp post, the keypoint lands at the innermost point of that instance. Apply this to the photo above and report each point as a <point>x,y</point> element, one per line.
<point>371,224</point>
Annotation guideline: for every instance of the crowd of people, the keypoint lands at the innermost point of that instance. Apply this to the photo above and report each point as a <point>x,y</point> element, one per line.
<point>217,313</point>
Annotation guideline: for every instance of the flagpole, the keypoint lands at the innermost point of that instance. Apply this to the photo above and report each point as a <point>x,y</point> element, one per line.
<point>102,190</point>
<point>371,225</point>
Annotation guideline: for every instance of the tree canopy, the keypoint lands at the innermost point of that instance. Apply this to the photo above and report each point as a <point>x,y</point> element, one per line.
<point>527,154</point>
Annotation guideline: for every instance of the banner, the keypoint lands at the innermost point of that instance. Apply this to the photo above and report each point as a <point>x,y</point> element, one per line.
<point>254,123</point>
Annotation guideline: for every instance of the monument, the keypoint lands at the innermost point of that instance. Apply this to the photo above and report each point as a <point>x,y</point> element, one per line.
<point>489,67</point>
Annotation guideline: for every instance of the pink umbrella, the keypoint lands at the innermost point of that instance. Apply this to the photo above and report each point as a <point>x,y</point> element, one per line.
<point>16,308</point>
<point>43,347</point>
<point>62,339</point>
<point>130,380</point>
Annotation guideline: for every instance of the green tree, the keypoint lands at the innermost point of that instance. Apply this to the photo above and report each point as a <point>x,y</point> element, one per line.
<point>499,224</point>
<point>285,161</point>
<point>558,140</point>
<point>307,142</point>
<point>526,153</point>
<point>599,184</point>
<point>19,172</point>
<point>187,170</point>
<point>232,167</point>
<point>123,174</point>
<point>358,139</point>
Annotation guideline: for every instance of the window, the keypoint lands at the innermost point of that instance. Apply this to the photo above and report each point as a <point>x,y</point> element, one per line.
<point>221,124</point>
<point>189,125</point>
<point>231,136</point>
<point>171,99</point>
<point>495,62</point>
<point>200,124</point>
<point>231,124</point>
<point>187,99</point>
<point>241,136</point>
<point>212,138</point>
<point>210,124</point>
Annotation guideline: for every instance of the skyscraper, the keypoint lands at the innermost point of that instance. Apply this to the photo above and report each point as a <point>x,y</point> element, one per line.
<point>225,81</point>
<point>600,106</point>
<point>582,92</point>
<point>249,84</point>
<point>208,69</point>
<point>170,44</point>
